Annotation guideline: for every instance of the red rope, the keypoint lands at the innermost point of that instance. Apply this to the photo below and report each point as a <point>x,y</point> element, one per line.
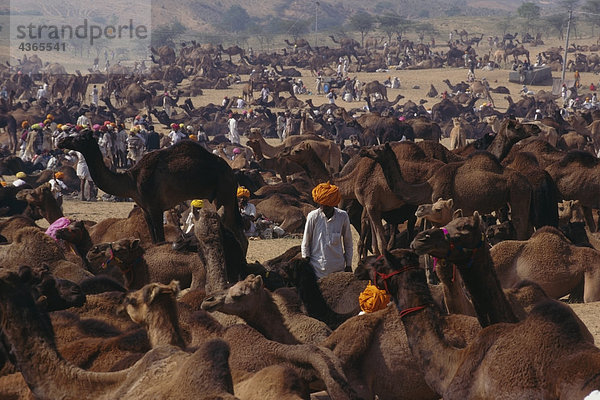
<point>409,310</point>
<point>385,277</point>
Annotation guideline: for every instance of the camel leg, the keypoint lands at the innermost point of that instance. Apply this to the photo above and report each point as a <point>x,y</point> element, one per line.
<point>589,218</point>
<point>81,190</point>
<point>377,231</point>
<point>154,219</point>
<point>365,232</point>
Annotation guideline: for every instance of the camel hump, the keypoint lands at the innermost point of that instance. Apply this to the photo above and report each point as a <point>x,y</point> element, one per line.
<point>548,229</point>
<point>584,158</point>
<point>408,151</point>
<point>524,160</point>
<point>568,326</point>
<point>484,160</point>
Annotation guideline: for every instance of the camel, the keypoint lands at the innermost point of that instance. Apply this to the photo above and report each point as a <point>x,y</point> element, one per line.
<point>166,372</point>
<point>157,264</point>
<point>155,307</point>
<point>547,351</point>
<point>439,213</point>
<point>219,251</point>
<point>326,149</point>
<point>31,246</point>
<point>577,176</point>
<point>544,211</point>
<point>269,313</point>
<point>373,87</point>
<point>458,136</point>
<point>480,183</point>
<point>299,44</point>
<point>164,178</point>
<point>566,265</point>
<point>462,243</point>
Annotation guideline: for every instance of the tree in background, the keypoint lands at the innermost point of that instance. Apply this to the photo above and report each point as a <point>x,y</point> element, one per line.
<point>504,24</point>
<point>362,22</point>
<point>529,11</point>
<point>166,34</point>
<point>592,7</point>
<point>391,24</point>
<point>558,22</point>
<point>235,19</point>
<point>294,28</point>
<point>425,28</point>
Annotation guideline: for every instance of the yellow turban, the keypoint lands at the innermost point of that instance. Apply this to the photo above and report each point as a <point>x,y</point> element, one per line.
<point>193,137</point>
<point>59,175</point>
<point>326,194</point>
<point>50,116</point>
<point>197,203</point>
<point>47,122</point>
<point>21,175</point>
<point>243,192</point>
<point>373,299</point>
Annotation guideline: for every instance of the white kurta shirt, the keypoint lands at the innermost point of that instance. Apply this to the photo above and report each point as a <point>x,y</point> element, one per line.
<point>327,242</point>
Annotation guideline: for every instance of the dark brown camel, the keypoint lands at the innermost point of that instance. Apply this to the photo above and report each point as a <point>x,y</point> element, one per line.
<point>479,184</point>
<point>165,178</point>
<point>544,356</point>
<point>463,243</point>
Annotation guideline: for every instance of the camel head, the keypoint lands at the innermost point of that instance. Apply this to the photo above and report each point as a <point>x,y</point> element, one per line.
<point>570,211</point>
<point>138,304</point>
<point>439,213</point>
<point>391,263</point>
<point>456,241</point>
<point>74,233</point>
<point>377,153</point>
<point>500,232</point>
<point>241,298</point>
<point>51,294</point>
<point>121,252</point>
<point>80,142</point>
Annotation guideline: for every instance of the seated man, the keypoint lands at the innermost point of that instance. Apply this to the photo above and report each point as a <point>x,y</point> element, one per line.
<point>248,211</point>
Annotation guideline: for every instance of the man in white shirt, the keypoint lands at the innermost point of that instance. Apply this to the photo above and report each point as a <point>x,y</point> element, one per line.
<point>234,136</point>
<point>176,135</point>
<point>248,211</point>
<point>327,241</point>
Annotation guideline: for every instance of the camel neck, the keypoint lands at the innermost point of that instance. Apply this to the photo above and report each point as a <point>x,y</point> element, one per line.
<point>268,320</point>
<point>46,373</point>
<point>163,326</point>
<point>437,359</point>
<point>267,150</point>
<point>411,194</point>
<point>117,184</point>
<point>479,275</point>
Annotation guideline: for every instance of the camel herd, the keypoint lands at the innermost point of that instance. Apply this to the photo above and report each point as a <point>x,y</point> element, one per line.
<point>479,245</point>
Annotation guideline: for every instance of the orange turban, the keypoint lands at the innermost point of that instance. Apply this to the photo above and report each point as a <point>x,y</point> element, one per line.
<point>373,299</point>
<point>24,124</point>
<point>243,192</point>
<point>326,194</point>
<point>59,175</point>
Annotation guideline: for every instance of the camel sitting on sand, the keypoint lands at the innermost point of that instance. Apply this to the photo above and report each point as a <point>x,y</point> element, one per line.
<point>165,372</point>
<point>549,259</point>
<point>544,356</point>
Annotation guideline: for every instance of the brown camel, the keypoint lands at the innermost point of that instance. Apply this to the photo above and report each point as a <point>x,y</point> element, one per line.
<point>462,242</point>
<point>156,264</point>
<point>551,261</point>
<point>163,179</point>
<point>544,355</point>
<point>577,177</point>
<point>250,351</point>
<point>327,150</point>
<point>269,313</point>
<point>31,246</point>
<point>166,372</point>
<point>479,184</point>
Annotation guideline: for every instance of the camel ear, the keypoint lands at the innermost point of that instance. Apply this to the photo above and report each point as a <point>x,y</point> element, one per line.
<point>440,199</point>
<point>134,244</point>
<point>257,282</point>
<point>152,291</point>
<point>451,203</point>
<point>174,287</point>
<point>477,218</point>
<point>457,214</point>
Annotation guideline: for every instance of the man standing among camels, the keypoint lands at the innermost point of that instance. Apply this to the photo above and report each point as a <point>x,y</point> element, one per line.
<point>327,240</point>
